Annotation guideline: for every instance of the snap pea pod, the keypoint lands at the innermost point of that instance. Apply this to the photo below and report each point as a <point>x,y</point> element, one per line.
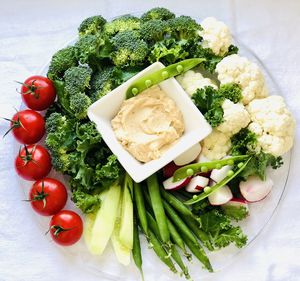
<point>177,204</point>
<point>181,226</point>
<point>158,208</point>
<point>175,255</point>
<point>176,239</point>
<point>199,233</point>
<point>211,190</point>
<point>136,250</point>
<point>199,253</point>
<point>140,206</point>
<point>192,169</point>
<point>160,251</point>
<point>160,75</point>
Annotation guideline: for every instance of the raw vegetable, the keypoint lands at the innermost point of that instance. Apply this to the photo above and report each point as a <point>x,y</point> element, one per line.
<point>66,228</point>
<point>169,184</point>
<point>236,209</point>
<point>196,184</point>
<point>105,220</point>
<point>27,126</point>
<point>48,196</point>
<point>220,196</point>
<point>140,207</point>
<point>33,162</point>
<point>188,156</point>
<point>136,250</point>
<point>38,92</point>
<point>169,169</point>
<point>160,75</point>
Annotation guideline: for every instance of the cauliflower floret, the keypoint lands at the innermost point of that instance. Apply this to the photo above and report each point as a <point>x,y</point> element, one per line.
<point>190,81</point>
<point>216,36</point>
<point>235,117</point>
<point>216,145</point>
<point>273,124</point>
<point>236,69</point>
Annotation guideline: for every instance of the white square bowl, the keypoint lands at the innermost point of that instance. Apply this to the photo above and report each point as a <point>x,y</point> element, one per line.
<point>105,109</point>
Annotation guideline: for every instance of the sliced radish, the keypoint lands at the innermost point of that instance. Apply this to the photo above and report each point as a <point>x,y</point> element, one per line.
<point>218,175</point>
<point>189,155</point>
<point>196,184</point>
<point>254,189</point>
<point>170,169</point>
<point>170,185</point>
<point>220,196</point>
<point>237,202</point>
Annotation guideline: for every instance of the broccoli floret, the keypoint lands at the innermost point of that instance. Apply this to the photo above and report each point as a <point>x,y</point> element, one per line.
<point>184,27</point>
<point>91,25</point>
<point>169,51</point>
<point>123,23</point>
<point>61,61</point>
<point>157,13</point>
<point>87,135</point>
<point>231,91</point>
<point>89,48</point>
<point>102,82</point>
<point>79,104</point>
<point>154,30</point>
<point>129,49</point>
<point>77,79</point>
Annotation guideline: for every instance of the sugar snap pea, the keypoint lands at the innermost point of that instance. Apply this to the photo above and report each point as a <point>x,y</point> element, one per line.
<point>140,207</point>
<point>160,75</point>
<point>212,189</point>
<point>195,168</point>
<point>136,250</point>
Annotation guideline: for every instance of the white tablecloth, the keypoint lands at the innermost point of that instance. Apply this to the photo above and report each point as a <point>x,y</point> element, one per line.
<point>30,31</point>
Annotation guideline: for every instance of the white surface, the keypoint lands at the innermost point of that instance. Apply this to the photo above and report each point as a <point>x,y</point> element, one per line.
<point>30,31</point>
<point>196,128</point>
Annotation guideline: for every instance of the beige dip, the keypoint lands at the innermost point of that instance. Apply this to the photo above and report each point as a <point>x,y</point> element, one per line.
<point>148,124</point>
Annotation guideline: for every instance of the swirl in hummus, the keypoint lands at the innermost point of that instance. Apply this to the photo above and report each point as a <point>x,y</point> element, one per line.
<point>148,124</point>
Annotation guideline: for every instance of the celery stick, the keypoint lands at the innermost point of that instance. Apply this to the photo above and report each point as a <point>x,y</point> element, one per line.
<point>105,220</point>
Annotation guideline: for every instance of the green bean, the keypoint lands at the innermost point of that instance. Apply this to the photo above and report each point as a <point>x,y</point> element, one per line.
<point>140,206</point>
<point>198,251</point>
<point>174,253</point>
<point>160,75</point>
<point>158,208</point>
<point>203,195</point>
<point>195,168</point>
<point>136,250</point>
<point>160,251</point>
<point>199,233</point>
<point>182,227</point>
<point>176,239</point>
<point>176,204</point>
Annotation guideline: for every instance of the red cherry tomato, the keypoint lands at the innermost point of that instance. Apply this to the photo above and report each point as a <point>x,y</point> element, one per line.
<point>66,228</point>
<point>48,196</point>
<point>38,92</point>
<point>33,162</point>
<point>27,126</point>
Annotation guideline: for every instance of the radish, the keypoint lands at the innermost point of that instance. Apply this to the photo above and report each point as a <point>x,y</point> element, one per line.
<point>170,169</point>
<point>218,175</point>
<point>170,185</point>
<point>220,196</point>
<point>189,155</point>
<point>237,202</point>
<point>202,159</point>
<point>196,184</point>
<point>254,189</point>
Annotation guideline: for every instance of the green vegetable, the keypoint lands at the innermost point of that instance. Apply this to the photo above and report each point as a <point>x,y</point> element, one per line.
<point>140,207</point>
<point>235,212</point>
<point>92,25</point>
<point>154,30</point>
<point>61,61</point>
<point>120,24</point>
<point>157,14</point>
<point>221,231</point>
<point>105,220</point>
<point>158,208</point>
<point>185,171</point>
<point>215,187</point>
<point>161,75</point>
<point>136,250</point>
<point>88,203</point>
<point>128,49</point>
<point>184,27</point>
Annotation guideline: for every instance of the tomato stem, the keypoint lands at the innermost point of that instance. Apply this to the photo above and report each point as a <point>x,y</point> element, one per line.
<point>32,89</point>
<point>15,124</point>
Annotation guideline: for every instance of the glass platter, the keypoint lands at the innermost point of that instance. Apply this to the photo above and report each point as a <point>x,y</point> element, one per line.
<point>107,265</point>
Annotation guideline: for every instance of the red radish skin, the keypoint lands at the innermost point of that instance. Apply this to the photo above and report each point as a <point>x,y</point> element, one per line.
<point>238,202</point>
<point>255,189</point>
<point>196,184</point>
<point>170,185</point>
<point>170,169</point>
<point>188,156</point>
<point>220,196</point>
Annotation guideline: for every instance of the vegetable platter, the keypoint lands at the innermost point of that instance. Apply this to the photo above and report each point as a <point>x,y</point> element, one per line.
<point>192,219</point>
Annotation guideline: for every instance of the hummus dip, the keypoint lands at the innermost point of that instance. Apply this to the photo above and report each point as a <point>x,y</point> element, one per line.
<point>148,124</point>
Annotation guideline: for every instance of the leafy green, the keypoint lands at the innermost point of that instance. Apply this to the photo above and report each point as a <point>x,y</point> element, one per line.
<point>231,91</point>
<point>243,142</point>
<point>235,212</point>
<point>88,203</point>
